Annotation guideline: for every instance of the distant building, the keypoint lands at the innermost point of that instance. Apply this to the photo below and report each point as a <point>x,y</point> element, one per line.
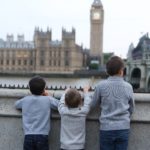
<point>43,55</point>
<point>138,64</point>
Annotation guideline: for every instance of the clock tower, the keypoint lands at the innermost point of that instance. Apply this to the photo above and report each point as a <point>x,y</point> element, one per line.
<point>96,31</point>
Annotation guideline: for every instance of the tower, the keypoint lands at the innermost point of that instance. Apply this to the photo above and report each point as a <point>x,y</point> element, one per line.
<point>96,31</point>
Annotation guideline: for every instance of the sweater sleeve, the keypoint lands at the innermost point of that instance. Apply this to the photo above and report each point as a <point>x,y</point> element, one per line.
<point>54,103</point>
<point>18,104</point>
<point>87,103</point>
<point>96,96</point>
<point>131,102</point>
<point>61,106</point>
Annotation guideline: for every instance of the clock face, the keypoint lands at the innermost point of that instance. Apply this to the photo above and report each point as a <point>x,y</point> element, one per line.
<point>96,15</point>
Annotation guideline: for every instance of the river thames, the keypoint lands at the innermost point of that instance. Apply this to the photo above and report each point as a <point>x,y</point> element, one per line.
<point>64,82</point>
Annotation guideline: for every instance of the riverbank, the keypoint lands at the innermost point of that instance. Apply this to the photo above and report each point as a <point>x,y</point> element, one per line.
<point>76,74</point>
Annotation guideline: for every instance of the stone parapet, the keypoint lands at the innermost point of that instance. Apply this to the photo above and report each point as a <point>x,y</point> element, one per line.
<point>11,131</point>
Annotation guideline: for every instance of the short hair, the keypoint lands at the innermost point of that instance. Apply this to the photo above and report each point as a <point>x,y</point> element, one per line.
<point>73,98</point>
<point>37,85</point>
<point>114,65</point>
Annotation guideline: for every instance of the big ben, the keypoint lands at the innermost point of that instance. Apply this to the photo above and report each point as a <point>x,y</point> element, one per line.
<point>96,31</point>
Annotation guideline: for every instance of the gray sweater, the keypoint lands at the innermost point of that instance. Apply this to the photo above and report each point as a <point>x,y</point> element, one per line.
<point>36,111</point>
<point>116,101</point>
<point>73,124</point>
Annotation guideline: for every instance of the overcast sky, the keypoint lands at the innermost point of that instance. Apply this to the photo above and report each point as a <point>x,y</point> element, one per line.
<point>125,20</point>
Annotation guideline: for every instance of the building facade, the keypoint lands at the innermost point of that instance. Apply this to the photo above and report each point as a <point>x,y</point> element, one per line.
<point>138,64</point>
<point>44,55</point>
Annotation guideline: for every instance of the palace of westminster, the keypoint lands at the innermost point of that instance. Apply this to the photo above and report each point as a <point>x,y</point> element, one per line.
<point>44,55</point>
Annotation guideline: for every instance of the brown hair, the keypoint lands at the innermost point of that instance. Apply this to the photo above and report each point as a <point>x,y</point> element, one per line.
<point>73,98</point>
<point>114,65</point>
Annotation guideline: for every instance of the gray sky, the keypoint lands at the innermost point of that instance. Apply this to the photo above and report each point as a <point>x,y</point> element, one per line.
<point>125,20</point>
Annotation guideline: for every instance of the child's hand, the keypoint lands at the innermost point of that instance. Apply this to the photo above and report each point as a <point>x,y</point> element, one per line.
<point>86,89</point>
<point>45,93</point>
<point>67,89</point>
<point>51,94</point>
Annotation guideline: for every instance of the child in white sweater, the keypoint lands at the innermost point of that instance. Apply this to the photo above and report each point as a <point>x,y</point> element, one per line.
<point>73,113</point>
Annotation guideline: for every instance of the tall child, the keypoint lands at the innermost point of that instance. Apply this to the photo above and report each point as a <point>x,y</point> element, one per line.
<point>73,113</point>
<point>117,103</point>
<point>36,111</point>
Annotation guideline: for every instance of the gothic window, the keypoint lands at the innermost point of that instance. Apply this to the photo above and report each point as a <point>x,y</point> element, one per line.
<point>59,54</point>
<point>25,62</point>
<point>54,53</point>
<point>42,54</point>
<point>50,53</point>
<point>2,53</point>
<point>66,63</point>
<point>2,62</point>
<point>66,58</point>
<point>54,62</point>
<point>7,62</point>
<point>13,62</point>
<point>31,62</point>
<point>19,62</point>
<point>59,63</point>
<point>50,62</point>
<point>67,53</point>
<point>7,53</point>
<point>42,62</point>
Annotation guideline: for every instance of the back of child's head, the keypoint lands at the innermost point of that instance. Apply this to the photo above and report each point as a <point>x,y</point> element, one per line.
<point>73,98</point>
<point>37,85</point>
<point>114,65</point>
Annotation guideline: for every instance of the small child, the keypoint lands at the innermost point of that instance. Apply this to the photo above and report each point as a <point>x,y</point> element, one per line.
<point>73,113</point>
<point>117,104</point>
<point>36,111</point>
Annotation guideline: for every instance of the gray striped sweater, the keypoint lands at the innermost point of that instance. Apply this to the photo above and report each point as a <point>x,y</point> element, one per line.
<point>116,102</point>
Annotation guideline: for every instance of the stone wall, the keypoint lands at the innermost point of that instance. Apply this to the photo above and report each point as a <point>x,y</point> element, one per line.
<point>11,133</point>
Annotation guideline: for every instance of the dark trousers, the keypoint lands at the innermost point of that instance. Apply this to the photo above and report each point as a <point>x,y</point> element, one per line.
<point>114,139</point>
<point>66,149</point>
<point>36,142</point>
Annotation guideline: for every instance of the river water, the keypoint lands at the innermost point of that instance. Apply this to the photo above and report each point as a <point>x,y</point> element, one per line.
<point>64,82</point>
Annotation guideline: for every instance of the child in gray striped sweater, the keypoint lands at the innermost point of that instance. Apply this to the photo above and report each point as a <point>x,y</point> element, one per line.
<point>73,113</point>
<point>116,100</point>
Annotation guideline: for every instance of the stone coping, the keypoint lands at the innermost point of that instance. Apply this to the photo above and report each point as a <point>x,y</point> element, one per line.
<point>9,96</point>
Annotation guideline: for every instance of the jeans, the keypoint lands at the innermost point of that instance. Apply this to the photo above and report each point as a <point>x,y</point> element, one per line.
<point>36,142</point>
<point>65,149</point>
<point>114,139</point>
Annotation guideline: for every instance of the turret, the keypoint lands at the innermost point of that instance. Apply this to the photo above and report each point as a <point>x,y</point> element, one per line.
<point>68,37</point>
<point>10,38</point>
<point>97,3</point>
<point>40,35</point>
<point>20,38</point>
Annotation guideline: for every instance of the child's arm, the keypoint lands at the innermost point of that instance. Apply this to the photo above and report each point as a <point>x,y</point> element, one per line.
<point>131,102</point>
<point>96,96</point>
<point>61,104</point>
<point>54,103</point>
<point>87,100</point>
<point>18,104</point>
<point>62,108</point>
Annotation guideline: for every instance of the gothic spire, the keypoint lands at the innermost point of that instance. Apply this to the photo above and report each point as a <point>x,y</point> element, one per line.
<point>97,3</point>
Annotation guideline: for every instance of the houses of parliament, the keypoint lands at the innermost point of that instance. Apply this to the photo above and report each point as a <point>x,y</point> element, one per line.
<point>44,55</point>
